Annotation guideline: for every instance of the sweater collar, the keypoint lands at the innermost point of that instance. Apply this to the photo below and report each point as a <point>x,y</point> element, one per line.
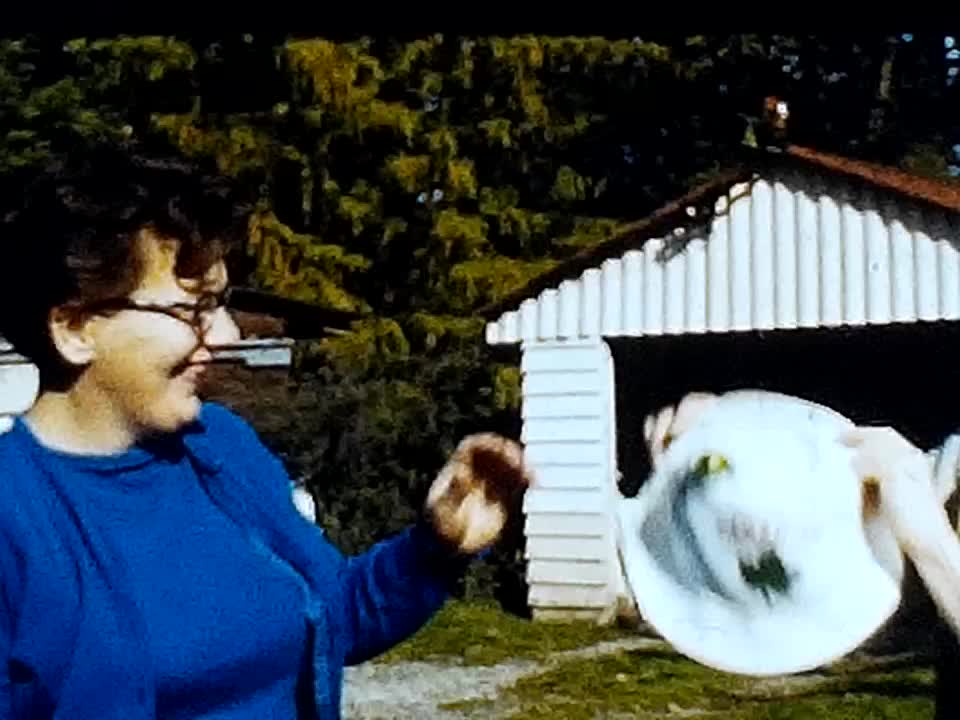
<point>197,441</point>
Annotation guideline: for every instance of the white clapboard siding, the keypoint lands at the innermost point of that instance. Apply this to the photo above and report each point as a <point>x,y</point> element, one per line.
<point>572,524</point>
<point>555,474</point>
<point>584,405</point>
<point>258,352</point>
<point>566,548</point>
<point>573,429</point>
<point>545,596</point>
<point>19,382</point>
<point>567,572</point>
<point>564,454</point>
<point>781,252</point>
<point>568,433</point>
<point>561,382</point>
<point>547,500</point>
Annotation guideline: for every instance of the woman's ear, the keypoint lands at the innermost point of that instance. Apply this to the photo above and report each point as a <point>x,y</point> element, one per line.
<point>70,332</point>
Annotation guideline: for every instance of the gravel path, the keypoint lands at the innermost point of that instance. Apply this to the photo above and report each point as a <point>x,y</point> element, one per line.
<point>415,689</point>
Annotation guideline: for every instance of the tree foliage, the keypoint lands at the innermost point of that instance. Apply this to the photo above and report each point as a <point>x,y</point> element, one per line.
<point>419,179</point>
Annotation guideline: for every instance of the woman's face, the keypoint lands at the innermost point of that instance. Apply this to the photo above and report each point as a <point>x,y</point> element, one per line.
<point>148,364</point>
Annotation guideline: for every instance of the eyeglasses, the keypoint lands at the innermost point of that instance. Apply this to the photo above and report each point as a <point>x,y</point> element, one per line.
<point>198,315</point>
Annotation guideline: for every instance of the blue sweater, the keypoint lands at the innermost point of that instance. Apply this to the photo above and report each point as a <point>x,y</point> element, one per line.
<point>180,581</point>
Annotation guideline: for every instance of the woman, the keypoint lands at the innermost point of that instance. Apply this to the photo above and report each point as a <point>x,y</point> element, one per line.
<point>914,486</point>
<point>153,564</point>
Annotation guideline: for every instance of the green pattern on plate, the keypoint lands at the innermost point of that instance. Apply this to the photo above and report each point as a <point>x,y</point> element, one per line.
<point>708,466</point>
<point>768,575</point>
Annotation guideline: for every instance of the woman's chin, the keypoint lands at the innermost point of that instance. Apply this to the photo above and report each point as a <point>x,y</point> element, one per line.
<point>191,410</point>
<point>178,413</point>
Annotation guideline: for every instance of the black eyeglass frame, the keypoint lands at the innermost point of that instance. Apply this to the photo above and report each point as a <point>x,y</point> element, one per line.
<point>190,313</point>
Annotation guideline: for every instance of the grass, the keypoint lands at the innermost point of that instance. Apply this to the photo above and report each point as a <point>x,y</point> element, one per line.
<point>656,682</point>
<point>659,684</point>
<point>481,634</point>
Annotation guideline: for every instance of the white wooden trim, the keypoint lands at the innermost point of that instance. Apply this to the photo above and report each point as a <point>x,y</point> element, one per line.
<point>792,251</point>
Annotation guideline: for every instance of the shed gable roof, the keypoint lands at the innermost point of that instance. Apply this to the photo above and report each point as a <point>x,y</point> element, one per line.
<point>929,192</point>
<point>769,248</point>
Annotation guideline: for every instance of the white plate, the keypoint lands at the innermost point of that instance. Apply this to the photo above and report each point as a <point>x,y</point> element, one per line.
<point>763,565</point>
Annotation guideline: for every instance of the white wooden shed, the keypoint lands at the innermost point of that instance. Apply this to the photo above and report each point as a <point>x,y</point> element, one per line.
<point>784,243</point>
<point>18,384</point>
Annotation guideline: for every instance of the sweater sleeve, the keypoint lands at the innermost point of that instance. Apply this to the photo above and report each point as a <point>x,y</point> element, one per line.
<point>394,588</point>
<point>386,593</point>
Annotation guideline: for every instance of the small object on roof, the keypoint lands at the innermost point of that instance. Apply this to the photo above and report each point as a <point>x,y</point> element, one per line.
<point>769,131</point>
<point>748,548</point>
<point>776,116</point>
<point>777,111</point>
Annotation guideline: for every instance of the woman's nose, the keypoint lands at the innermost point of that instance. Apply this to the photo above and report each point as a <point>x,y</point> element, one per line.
<point>222,329</point>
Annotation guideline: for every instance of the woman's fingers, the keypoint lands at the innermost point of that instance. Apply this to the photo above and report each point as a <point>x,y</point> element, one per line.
<point>662,427</point>
<point>478,489</point>
<point>690,410</point>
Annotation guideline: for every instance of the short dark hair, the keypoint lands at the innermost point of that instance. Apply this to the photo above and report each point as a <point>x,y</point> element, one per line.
<point>69,227</point>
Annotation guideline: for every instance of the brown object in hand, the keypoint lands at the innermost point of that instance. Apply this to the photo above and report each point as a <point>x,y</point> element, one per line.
<point>479,487</point>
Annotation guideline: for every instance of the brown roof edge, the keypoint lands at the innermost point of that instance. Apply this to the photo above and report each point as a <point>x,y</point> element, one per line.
<point>629,236</point>
<point>939,193</point>
<point>253,300</point>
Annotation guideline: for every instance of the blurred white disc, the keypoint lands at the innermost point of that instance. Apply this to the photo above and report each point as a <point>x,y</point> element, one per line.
<point>747,548</point>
